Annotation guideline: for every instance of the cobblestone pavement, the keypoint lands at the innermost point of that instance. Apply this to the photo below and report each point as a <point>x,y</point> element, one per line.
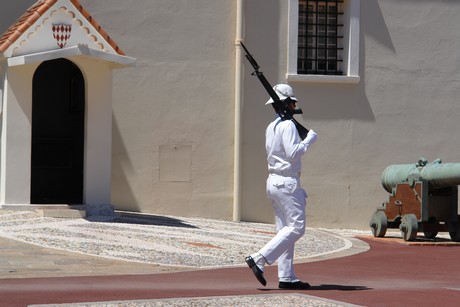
<point>137,243</point>
<point>159,240</point>
<point>293,300</point>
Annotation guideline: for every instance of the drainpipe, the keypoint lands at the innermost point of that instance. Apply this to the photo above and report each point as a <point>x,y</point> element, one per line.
<point>238,103</point>
<point>2,80</point>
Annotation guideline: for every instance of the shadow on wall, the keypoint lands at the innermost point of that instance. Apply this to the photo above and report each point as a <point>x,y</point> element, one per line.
<point>122,195</point>
<point>374,26</point>
<point>261,16</point>
<point>346,101</point>
<point>11,11</point>
<point>349,101</point>
<point>320,101</point>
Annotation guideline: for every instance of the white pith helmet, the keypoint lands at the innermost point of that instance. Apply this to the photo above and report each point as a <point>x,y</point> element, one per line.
<point>283,91</point>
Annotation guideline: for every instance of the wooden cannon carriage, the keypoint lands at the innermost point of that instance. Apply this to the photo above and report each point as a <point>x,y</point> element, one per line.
<point>423,198</point>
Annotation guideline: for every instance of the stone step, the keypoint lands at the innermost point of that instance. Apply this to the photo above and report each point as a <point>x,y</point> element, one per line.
<point>55,210</point>
<point>62,213</point>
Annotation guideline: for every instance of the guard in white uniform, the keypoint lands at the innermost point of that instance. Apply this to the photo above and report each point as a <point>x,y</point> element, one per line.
<point>284,151</point>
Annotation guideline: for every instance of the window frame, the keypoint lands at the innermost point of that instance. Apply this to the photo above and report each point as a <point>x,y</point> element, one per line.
<point>351,40</point>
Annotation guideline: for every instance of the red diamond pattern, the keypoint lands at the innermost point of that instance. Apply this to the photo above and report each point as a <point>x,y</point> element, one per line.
<point>61,34</point>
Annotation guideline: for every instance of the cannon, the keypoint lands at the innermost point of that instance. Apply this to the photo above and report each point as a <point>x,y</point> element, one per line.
<point>424,197</point>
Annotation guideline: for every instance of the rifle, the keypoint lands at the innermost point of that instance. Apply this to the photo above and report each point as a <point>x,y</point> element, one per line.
<point>281,107</point>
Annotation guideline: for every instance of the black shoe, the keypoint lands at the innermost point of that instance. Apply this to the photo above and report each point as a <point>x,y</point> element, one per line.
<point>255,269</point>
<point>298,285</point>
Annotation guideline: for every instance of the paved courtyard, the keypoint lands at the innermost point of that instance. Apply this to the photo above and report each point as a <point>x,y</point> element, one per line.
<point>145,260</point>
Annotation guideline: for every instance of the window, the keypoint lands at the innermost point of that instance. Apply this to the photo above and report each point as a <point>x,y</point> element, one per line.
<point>324,40</point>
<point>320,37</point>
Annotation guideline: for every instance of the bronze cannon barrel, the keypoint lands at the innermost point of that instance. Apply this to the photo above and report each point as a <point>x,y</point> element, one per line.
<point>437,174</point>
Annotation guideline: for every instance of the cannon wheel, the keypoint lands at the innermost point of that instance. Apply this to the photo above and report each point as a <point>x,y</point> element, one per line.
<point>409,227</point>
<point>431,234</point>
<point>455,236</point>
<point>378,224</point>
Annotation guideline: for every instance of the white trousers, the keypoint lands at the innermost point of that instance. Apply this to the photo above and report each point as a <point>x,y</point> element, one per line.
<point>289,202</point>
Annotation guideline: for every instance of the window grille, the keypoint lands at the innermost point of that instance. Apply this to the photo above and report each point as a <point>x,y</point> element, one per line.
<point>320,37</point>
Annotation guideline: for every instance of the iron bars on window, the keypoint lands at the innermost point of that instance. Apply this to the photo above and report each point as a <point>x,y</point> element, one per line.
<point>320,41</point>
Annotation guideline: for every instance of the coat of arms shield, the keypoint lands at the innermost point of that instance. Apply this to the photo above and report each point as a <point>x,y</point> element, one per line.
<point>61,34</point>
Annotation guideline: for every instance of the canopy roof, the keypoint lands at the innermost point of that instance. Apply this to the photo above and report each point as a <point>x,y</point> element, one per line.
<point>53,25</point>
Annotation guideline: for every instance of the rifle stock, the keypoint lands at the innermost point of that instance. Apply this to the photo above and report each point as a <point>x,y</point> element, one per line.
<point>281,107</point>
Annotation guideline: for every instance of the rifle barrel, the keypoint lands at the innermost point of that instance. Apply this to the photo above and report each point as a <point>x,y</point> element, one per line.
<point>277,103</point>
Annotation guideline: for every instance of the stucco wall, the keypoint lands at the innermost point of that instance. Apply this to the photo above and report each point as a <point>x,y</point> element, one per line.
<point>405,106</point>
<point>11,11</point>
<point>16,135</point>
<point>173,112</point>
<point>98,130</point>
<point>181,94</point>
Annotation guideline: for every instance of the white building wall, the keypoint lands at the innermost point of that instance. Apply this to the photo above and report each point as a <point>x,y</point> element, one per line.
<point>98,130</point>
<point>16,135</point>
<point>405,106</point>
<point>181,94</point>
<point>173,112</point>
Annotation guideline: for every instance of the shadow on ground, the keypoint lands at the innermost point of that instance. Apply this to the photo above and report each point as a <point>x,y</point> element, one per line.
<point>141,219</point>
<point>324,288</point>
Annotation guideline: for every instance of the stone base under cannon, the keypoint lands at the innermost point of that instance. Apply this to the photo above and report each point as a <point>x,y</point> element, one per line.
<point>416,207</point>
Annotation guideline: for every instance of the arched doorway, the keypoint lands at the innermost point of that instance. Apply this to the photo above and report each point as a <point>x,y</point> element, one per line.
<point>58,125</point>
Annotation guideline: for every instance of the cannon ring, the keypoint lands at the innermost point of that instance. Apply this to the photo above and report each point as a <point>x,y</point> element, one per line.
<point>378,224</point>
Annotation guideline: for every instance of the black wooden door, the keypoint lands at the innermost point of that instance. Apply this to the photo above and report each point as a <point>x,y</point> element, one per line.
<point>58,121</point>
